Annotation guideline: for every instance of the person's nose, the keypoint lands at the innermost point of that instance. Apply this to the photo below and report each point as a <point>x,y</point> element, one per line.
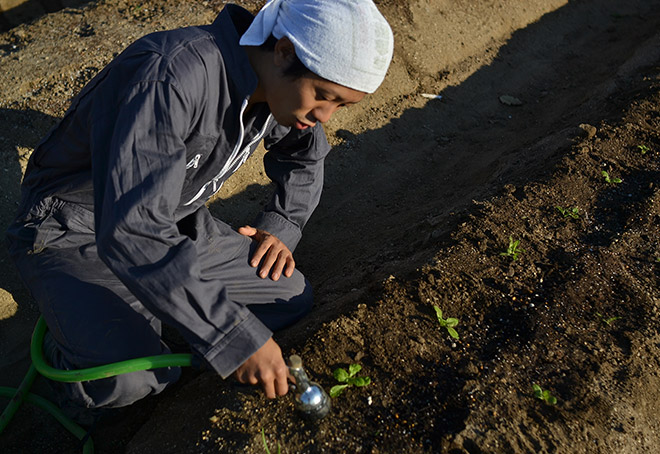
<point>323,112</point>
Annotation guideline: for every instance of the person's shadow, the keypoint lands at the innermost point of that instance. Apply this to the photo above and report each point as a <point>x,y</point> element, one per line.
<point>20,133</point>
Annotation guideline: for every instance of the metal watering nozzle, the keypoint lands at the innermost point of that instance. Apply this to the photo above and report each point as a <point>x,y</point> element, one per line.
<point>310,398</point>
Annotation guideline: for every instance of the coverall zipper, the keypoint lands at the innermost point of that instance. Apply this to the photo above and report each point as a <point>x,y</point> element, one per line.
<point>235,157</point>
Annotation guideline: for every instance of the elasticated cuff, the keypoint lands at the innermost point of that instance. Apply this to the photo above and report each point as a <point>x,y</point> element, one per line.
<point>275,224</point>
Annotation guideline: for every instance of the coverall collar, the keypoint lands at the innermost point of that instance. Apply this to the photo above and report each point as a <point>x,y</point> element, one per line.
<point>229,26</point>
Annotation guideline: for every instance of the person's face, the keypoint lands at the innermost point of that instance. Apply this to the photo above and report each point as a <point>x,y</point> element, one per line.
<point>302,102</point>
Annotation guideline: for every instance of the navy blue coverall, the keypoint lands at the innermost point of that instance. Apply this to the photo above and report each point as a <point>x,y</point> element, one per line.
<point>113,235</point>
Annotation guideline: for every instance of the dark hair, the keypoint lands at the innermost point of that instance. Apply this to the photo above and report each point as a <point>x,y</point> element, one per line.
<point>296,69</point>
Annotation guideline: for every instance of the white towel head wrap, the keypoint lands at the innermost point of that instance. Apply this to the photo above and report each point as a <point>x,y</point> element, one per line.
<point>344,41</point>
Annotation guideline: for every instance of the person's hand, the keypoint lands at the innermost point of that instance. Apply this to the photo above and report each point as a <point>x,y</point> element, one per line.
<point>277,258</point>
<point>267,368</point>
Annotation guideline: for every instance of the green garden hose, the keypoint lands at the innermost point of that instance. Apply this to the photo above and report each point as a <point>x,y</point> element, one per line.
<point>40,366</point>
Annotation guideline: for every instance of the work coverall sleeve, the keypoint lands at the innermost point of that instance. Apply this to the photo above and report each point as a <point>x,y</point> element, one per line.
<point>294,162</point>
<point>138,178</point>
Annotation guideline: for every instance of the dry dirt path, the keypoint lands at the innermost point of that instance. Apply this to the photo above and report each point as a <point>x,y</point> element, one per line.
<point>404,171</point>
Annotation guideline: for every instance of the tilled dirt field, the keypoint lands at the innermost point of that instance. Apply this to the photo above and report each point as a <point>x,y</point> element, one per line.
<point>421,200</point>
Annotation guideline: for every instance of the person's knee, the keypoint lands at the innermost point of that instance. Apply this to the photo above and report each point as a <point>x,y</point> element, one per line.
<point>122,390</point>
<point>301,295</point>
<point>118,391</point>
<point>294,300</point>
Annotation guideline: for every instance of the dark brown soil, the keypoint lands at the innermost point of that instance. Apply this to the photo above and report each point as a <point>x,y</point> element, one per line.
<point>422,198</point>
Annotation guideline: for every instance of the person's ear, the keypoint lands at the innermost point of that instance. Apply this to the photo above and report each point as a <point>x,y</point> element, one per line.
<point>284,53</point>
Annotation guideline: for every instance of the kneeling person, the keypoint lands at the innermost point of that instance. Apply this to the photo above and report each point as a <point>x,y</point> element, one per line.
<point>113,236</point>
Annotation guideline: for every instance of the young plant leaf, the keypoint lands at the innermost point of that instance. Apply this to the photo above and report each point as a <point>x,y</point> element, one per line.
<point>544,395</point>
<point>354,369</point>
<point>337,390</point>
<point>609,179</point>
<point>361,381</point>
<point>348,378</point>
<point>263,439</point>
<point>549,398</point>
<point>340,375</point>
<point>607,320</point>
<point>611,320</point>
<point>569,212</point>
<point>438,313</point>
<point>449,323</point>
<point>512,250</point>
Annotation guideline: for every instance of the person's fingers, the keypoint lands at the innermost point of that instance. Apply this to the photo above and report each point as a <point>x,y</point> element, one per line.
<point>267,368</point>
<point>245,377</point>
<point>276,271</point>
<point>290,266</point>
<point>282,385</point>
<point>281,378</point>
<point>268,262</point>
<point>268,386</point>
<point>274,256</point>
<point>247,230</point>
<point>261,250</point>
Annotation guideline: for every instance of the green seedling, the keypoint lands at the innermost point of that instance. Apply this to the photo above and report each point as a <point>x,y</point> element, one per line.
<point>263,439</point>
<point>607,320</point>
<point>513,250</point>
<point>608,179</point>
<point>447,323</point>
<point>643,149</point>
<point>569,212</point>
<point>348,379</point>
<point>544,395</point>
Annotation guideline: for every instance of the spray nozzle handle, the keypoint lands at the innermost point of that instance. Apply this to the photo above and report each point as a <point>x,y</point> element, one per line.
<point>295,362</point>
